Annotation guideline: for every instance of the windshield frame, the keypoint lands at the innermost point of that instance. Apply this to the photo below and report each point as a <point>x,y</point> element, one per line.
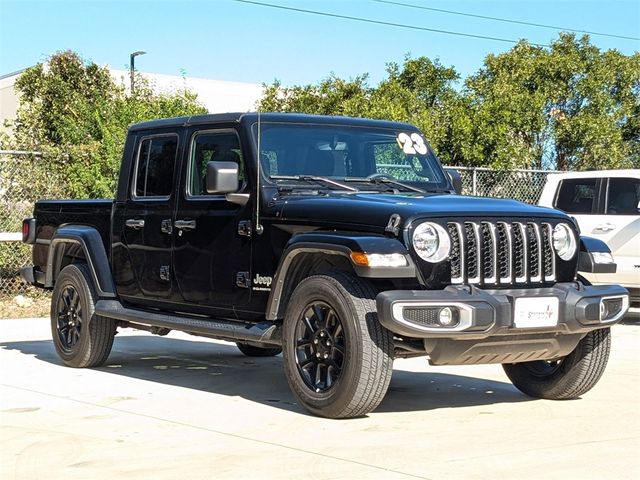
<point>444,184</point>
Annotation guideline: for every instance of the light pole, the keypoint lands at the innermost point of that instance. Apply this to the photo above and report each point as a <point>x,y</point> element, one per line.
<point>133,68</point>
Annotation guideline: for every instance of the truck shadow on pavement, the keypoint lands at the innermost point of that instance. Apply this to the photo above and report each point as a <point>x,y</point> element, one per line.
<point>222,369</point>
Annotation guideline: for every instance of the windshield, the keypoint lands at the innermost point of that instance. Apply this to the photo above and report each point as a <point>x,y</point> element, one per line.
<point>349,154</point>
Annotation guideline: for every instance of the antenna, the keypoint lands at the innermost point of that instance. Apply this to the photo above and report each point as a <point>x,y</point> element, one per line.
<point>258,227</point>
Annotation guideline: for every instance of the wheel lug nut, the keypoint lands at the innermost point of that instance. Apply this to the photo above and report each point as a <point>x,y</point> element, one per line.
<point>326,355</point>
<point>315,341</point>
<point>328,343</point>
<point>318,354</point>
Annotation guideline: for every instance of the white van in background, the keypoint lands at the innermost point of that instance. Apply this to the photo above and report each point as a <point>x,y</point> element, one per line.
<point>606,205</point>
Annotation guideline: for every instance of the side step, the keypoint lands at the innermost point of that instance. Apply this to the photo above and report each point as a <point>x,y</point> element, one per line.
<point>264,332</point>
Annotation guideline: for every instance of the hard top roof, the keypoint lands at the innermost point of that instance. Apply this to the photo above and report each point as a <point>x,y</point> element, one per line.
<point>266,117</point>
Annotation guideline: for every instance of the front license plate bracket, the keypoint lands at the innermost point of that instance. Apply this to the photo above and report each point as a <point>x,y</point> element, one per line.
<point>536,312</point>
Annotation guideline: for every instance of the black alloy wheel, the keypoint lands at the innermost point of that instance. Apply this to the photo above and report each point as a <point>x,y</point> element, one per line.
<point>70,318</point>
<point>81,337</point>
<point>337,357</point>
<point>320,346</point>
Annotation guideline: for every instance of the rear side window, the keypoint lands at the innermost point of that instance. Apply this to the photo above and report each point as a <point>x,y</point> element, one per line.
<point>623,196</point>
<point>577,195</point>
<point>154,166</point>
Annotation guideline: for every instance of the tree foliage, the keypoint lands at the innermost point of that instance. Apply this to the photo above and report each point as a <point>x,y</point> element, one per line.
<point>75,113</point>
<point>569,106</point>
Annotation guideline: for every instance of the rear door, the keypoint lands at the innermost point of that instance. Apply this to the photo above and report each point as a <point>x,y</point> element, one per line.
<point>145,221</point>
<point>212,256</point>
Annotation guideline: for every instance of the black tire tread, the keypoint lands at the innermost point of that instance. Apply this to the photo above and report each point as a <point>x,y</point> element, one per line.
<point>372,390</point>
<point>102,330</point>
<point>579,372</point>
<point>377,348</point>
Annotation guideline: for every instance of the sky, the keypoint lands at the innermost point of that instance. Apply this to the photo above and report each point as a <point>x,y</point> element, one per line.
<point>230,40</point>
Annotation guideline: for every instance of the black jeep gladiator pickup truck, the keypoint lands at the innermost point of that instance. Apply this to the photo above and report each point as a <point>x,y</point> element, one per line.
<point>339,242</point>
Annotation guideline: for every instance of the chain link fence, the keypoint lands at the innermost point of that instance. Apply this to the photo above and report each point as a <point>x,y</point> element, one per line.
<point>523,185</point>
<point>24,178</point>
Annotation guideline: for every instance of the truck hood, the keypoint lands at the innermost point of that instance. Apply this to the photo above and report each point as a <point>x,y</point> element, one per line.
<point>373,210</point>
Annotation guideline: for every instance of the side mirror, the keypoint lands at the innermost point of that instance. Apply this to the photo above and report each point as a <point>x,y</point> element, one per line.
<point>222,177</point>
<point>456,179</point>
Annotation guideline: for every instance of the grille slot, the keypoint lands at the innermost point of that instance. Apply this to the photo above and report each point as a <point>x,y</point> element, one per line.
<point>495,253</point>
<point>423,316</point>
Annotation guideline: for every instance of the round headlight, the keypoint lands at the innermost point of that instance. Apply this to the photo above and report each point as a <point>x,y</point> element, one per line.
<point>564,242</point>
<point>431,242</point>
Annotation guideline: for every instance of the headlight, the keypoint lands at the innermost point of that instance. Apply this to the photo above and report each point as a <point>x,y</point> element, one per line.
<point>431,242</point>
<point>564,242</point>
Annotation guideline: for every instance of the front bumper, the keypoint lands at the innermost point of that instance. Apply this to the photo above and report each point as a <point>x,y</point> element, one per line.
<point>485,331</point>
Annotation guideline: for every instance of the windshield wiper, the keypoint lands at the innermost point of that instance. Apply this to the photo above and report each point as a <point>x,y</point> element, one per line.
<point>380,180</point>
<point>313,178</point>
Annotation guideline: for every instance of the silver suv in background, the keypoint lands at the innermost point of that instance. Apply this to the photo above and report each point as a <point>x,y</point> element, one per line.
<point>606,205</point>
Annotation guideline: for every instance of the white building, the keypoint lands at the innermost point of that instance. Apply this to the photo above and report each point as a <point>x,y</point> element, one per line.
<point>218,96</point>
<point>8,98</point>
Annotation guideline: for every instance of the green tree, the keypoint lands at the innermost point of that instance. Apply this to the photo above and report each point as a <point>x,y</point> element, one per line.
<point>331,96</point>
<point>420,91</point>
<point>76,114</point>
<point>592,105</point>
<point>570,107</point>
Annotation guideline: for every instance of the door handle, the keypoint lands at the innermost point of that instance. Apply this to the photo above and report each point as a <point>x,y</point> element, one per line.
<point>605,227</point>
<point>134,223</point>
<point>185,224</point>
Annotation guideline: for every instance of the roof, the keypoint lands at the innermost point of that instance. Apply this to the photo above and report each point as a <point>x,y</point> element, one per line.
<point>598,174</point>
<point>266,117</point>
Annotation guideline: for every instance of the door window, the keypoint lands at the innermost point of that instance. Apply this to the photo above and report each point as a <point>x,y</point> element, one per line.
<point>577,195</point>
<point>212,146</point>
<point>623,196</point>
<point>154,167</point>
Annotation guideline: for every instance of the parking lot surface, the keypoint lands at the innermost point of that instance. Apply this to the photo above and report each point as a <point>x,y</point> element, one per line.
<point>183,407</point>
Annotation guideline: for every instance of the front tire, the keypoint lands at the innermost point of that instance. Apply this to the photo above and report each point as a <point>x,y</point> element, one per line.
<point>81,338</point>
<point>338,359</point>
<point>566,378</point>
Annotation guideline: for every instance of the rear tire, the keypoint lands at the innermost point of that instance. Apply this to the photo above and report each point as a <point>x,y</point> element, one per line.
<point>253,351</point>
<point>338,358</point>
<point>81,338</point>
<point>569,377</point>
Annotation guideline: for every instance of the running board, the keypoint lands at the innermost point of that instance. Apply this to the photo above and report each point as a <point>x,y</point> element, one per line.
<point>263,332</point>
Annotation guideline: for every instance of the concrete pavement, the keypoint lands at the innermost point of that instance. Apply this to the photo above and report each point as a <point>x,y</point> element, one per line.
<point>191,408</point>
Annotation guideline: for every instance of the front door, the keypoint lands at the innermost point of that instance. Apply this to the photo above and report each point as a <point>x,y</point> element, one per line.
<point>620,229</point>
<point>212,258</point>
<point>145,222</point>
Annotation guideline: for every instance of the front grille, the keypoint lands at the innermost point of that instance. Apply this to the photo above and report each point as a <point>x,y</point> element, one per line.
<point>501,253</point>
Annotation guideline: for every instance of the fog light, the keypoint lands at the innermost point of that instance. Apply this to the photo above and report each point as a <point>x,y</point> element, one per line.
<point>447,317</point>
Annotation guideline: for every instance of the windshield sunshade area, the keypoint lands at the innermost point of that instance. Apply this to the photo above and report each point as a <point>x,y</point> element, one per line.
<point>384,157</point>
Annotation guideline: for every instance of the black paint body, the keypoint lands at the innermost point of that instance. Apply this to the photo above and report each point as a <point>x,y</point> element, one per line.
<point>204,262</point>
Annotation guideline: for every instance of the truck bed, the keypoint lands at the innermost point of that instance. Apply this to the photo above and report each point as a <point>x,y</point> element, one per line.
<point>50,214</point>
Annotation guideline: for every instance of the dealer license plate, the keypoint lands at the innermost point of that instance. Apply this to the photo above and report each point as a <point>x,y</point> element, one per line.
<point>536,312</point>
